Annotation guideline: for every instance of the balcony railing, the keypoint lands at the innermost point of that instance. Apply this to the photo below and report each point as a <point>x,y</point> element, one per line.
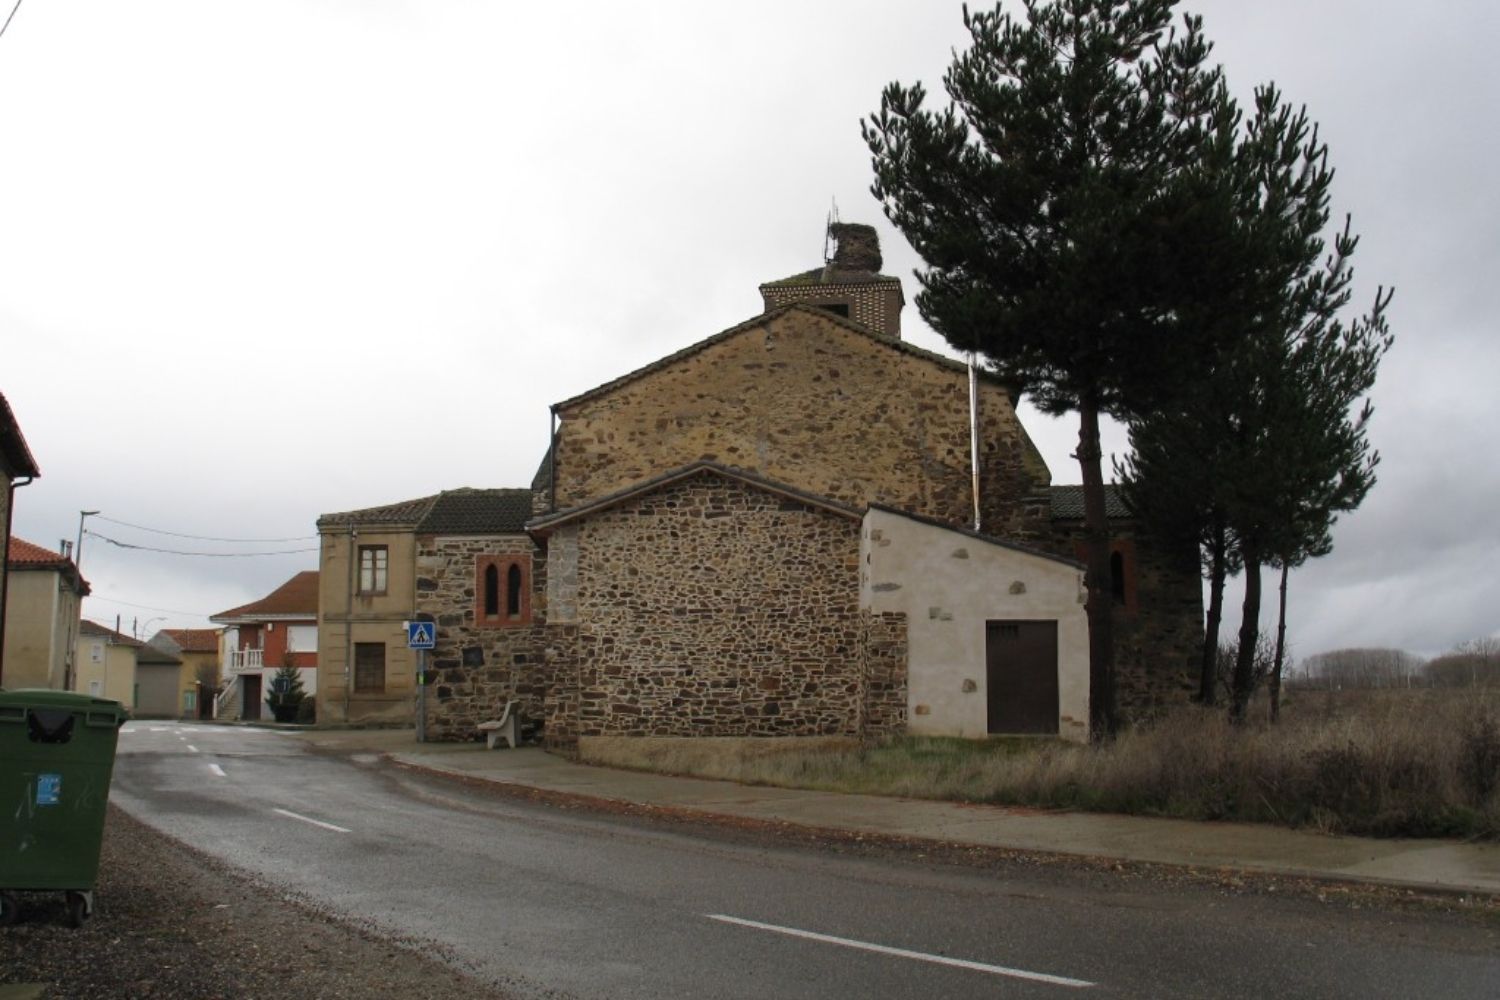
<point>241,660</point>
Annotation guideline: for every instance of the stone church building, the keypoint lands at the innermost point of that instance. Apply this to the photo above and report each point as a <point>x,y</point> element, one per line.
<point>771,532</point>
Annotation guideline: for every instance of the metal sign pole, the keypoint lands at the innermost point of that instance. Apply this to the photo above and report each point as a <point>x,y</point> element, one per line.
<point>421,696</point>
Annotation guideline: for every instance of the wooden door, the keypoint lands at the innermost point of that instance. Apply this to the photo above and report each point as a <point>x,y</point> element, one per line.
<point>250,684</point>
<point>1021,672</point>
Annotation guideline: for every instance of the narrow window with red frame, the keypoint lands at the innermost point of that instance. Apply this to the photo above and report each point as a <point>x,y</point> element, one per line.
<point>502,590</point>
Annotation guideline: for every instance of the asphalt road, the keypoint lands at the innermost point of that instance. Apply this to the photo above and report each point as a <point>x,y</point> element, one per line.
<point>551,902</point>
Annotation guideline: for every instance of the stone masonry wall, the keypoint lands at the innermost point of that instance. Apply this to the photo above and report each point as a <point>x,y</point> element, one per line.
<point>1159,634</point>
<point>475,670</point>
<point>710,608</point>
<point>885,654</point>
<point>804,400</point>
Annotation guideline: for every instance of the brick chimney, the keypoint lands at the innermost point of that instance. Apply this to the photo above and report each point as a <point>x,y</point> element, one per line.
<point>848,284</point>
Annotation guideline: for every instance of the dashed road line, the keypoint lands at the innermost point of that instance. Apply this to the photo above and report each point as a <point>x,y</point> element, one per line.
<point>314,822</point>
<point>216,769</point>
<point>919,956</point>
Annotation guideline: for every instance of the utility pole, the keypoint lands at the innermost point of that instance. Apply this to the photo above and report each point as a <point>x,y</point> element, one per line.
<point>68,652</point>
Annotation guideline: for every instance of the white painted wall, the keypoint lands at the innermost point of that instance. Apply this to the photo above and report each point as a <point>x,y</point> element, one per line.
<point>948,584</point>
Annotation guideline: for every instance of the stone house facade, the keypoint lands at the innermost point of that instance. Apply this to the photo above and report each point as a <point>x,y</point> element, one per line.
<point>772,532</point>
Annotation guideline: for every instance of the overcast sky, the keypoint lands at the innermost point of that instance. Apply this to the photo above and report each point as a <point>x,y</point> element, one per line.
<point>267,260</point>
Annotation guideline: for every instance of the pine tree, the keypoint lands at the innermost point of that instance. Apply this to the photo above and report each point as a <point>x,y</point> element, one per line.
<point>1268,441</point>
<point>1061,206</point>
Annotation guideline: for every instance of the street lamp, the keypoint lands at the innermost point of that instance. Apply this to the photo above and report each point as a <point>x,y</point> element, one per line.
<point>146,628</point>
<point>78,545</point>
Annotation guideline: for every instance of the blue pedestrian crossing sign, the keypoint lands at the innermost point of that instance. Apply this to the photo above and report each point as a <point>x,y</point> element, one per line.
<point>421,635</point>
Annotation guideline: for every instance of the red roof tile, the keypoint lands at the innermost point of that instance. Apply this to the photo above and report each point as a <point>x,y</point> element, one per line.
<point>24,553</point>
<point>87,627</point>
<point>194,640</point>
<point>297,597</point>
<point>16,456</point>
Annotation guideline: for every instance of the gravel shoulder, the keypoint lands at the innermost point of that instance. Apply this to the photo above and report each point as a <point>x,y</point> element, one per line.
<point>172,923</point>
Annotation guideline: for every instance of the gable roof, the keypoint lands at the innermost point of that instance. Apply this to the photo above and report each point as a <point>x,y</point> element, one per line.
<point>187,640</point>
<point>893,343</point>
<point>545,525</point>
<point>147,654</point>
<point>1067,503</point>
<point>978,535</point>
<point>24,555</point>
<point>297,598</point>
<point>831,275</point>
<point>13,447</point>
<point>477,512</point>
<point>403,513</point>
<point>86,627</point>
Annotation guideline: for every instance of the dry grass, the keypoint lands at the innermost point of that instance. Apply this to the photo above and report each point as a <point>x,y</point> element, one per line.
<point>1390,763</point>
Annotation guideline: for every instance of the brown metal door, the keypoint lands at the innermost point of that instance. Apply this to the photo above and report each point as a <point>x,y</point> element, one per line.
<point>1021,670</point>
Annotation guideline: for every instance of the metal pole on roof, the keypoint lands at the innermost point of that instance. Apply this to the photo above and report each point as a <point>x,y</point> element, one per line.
<point>974,436</point>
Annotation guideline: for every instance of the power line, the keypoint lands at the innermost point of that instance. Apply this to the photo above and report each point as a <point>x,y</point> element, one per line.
<point>148,607</point>
<point>208,555</point>
<point>7,20</point>
<point>204,538</point>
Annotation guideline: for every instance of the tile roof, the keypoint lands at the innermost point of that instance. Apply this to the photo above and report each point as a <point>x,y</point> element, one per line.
<point>24,553</point>
<point>190,640</point>
<point>13,448</point>
<point>405,513</point>
<point>1067,503</point>
<point>477,512</point>
<point>894,343</point>
<point>86,627</point>
<point>542,481</point>
<point>148,653</point>
<point>959,529</point>
<point>830,275</point>
<point>297,598</point>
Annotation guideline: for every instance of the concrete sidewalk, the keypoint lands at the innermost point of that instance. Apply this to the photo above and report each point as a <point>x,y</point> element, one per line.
<point>1441,865</point>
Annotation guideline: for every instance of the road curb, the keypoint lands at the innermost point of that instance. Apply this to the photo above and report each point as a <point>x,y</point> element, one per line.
<point>1235,876</point>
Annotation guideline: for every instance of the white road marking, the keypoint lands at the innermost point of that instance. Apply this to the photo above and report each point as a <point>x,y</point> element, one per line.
<point>157,729</point>
<point>314,822</point>
<point>192,748</point>
<point>216,769</point>
<point>997,970</point>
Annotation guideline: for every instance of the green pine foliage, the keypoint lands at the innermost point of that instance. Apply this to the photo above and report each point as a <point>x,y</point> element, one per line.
<point>1067,209</point>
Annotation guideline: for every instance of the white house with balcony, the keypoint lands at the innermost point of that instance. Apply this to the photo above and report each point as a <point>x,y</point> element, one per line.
<point>259,638</point>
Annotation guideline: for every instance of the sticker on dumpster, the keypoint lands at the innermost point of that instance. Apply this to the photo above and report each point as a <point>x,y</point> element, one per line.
<point>48,789</point>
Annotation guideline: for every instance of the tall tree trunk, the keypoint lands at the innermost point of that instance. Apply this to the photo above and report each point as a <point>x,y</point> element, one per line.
<point>1244,663</point>
<point>1103,719</point>
<point>1208,669</point>
<point>1280,651</point>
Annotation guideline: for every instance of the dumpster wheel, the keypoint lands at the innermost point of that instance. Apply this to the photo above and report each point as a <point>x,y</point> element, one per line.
<point>80,908</point>
<point>10,909</point>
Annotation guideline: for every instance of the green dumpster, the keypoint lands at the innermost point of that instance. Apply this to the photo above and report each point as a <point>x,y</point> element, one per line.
<point>57,750</point>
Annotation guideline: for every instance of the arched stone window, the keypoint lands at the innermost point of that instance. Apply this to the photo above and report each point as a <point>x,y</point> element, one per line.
<point>491,591</point>
<point>502,590</point>
<point>1117,576</point>
<point>514,590</point>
